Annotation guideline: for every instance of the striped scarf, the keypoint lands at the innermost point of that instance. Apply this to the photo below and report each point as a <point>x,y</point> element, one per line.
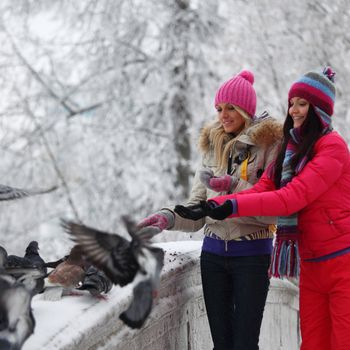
<point>285,257</point>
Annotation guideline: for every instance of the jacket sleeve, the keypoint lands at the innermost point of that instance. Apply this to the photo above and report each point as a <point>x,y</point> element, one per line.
<point>198,193</point>
<point>318,175</point>
<point>265,184</point>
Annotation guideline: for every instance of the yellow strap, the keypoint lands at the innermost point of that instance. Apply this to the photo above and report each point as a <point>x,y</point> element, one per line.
<point>244,176</point>
<point>272,228</point>
<point>244,167</point>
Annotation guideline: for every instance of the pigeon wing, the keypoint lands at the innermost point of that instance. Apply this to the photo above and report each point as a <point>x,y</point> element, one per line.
<point>109,252</point>
<point>18,261</point>
<point>9,193</point>
<point>140,235</point>
<point>141,305</point>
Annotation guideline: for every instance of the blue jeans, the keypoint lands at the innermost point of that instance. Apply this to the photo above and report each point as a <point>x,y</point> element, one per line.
<point>235,291</point>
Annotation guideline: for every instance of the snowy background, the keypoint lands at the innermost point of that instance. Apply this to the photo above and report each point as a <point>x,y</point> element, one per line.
<point>105,98</point>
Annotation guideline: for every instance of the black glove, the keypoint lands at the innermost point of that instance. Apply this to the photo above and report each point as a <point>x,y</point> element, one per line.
<point>198,211</point>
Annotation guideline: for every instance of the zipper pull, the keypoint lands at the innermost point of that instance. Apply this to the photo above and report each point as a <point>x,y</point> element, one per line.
<point>226,249</point>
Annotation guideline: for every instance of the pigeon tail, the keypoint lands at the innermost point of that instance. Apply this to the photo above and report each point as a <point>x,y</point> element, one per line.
<point>140,307</point>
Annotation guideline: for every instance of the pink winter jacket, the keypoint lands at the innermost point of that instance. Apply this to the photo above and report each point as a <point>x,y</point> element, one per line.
<point>320,194</point>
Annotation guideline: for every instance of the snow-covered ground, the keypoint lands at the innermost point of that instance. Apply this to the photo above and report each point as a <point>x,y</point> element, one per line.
<point>177,321</point>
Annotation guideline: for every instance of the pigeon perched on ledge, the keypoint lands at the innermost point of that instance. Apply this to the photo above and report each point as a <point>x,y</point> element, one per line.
<point>68,275</point>
<point>124,262</point>
<point>29,269</point>
<point>9,193</point>
<point>16,318</point>
<point>32,254</point>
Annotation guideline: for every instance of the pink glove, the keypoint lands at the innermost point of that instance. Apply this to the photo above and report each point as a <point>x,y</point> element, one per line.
<point>224,183</point>
<point>221,184</point>
<point>163,219</point>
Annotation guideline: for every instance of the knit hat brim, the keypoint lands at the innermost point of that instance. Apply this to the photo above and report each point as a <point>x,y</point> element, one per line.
<point>317,88</point>
<point>313,95</point>
<point>239,91</point>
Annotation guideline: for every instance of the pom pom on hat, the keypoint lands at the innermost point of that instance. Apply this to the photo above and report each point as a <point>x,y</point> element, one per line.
<point>247,75</point>
<point>239,91</point>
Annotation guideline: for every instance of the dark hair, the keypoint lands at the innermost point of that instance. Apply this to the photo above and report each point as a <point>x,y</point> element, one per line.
<point>311,130</point>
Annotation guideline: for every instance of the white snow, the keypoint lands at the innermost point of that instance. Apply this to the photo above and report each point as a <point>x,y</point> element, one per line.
<point>177,319</point>
<point>58,323</point>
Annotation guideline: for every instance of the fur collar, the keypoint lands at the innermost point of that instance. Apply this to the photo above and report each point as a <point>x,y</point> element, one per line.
<point>263,132</point>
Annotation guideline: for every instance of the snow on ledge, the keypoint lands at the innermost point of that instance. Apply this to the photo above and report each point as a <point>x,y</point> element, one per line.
<point>177,322</point>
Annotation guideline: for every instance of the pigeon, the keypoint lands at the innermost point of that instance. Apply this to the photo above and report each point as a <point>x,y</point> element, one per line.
<point>96,282</point>
<point>16,317</point>
<point>67,275</point>
<point>9,193</point>
<point>32,254</point>
<point>29,269</point>
<point>124,262</point>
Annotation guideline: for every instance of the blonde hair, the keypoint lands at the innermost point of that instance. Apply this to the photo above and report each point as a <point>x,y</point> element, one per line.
<point>222,142</point>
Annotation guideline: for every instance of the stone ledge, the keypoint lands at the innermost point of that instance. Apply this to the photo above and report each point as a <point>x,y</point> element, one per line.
<point>177,322</point>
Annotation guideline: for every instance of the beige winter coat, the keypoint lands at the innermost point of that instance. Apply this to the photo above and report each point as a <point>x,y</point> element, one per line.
<point>261,141</point>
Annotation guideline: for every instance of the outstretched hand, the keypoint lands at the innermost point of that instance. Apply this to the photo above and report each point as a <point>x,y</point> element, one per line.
<point>210,208</point>
<point>193,212</point>
<point>162,219</point>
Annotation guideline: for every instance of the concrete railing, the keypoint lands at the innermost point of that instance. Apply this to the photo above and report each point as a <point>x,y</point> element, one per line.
<point>178,320</point>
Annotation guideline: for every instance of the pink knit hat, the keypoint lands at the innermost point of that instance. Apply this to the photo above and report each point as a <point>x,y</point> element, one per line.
<point>239,91</point>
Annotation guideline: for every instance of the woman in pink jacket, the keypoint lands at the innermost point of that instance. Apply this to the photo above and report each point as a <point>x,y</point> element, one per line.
<point>308,188</point>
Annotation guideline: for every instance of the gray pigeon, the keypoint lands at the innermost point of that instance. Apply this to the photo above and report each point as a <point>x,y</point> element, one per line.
<point>16,318</point>
<point>96,282</point>
<point>9,193</point>
<point>32,254</point>
<point>29,269</point>
<point>124,262</point>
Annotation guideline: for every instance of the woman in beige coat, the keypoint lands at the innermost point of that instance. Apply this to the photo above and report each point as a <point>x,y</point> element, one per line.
<point>236,148</point>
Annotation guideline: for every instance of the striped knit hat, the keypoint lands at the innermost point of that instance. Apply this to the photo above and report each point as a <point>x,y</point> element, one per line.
<point>239,91</point>
<point>319,90</point>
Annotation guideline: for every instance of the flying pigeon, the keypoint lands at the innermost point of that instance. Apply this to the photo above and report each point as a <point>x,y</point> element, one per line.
<point>16,318</point>
<point>9,193</point>
<point>96,282</point>
<point>124,262</point>
<point>67,275</point>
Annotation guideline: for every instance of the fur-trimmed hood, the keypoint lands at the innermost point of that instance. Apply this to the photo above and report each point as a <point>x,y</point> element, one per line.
<point>263,132</point>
